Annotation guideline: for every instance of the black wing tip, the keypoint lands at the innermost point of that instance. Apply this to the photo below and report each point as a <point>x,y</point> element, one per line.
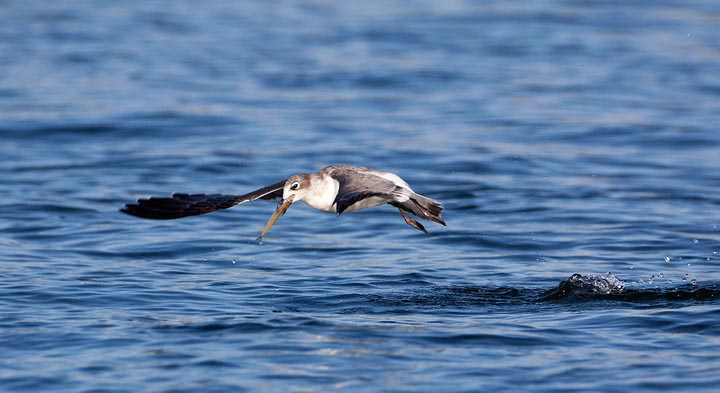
<point>129,209</point>
<point>179,205</point>
<point>139,210</point>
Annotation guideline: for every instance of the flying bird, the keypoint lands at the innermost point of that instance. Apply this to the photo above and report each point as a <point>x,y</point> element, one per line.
<point>334,189</point>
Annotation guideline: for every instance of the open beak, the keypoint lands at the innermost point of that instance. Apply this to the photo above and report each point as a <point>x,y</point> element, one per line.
<point>281,209</point>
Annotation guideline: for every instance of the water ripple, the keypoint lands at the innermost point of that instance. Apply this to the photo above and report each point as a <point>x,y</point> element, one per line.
<point>585,141</point>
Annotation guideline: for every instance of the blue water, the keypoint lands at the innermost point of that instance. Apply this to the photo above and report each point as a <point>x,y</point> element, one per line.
<point>562,137</point>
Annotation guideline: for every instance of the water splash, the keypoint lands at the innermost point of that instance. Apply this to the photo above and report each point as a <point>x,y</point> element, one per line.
<point>608,287</point>
<point>579,286</point>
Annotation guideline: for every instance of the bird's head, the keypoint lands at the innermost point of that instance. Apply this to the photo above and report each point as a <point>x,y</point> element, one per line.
<point>295,189</point>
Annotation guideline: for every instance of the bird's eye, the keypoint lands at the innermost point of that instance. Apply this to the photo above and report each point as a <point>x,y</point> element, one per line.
<point>295,186</point>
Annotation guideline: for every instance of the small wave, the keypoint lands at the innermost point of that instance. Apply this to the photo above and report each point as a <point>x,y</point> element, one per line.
<point>215,326</point>
<point>609,287</point>
<point>579,289</point>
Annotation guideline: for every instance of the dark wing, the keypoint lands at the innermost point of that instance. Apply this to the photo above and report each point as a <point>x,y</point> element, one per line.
<point>183,205</point>
<point>354,187</point>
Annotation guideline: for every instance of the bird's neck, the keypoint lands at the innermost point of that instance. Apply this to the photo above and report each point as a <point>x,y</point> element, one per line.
<point>322,193</point>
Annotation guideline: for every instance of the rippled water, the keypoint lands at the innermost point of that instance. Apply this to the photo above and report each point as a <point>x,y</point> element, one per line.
<point>574,145</point>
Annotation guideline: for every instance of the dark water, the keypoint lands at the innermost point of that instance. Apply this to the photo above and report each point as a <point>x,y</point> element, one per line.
<point>562,137</point>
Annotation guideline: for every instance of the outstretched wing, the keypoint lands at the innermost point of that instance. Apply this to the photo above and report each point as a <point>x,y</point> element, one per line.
<point>183,205</point>
<point>355,187</point>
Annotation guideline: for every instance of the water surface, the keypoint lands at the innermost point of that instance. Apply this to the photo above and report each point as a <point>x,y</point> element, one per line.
<point>562,137</point>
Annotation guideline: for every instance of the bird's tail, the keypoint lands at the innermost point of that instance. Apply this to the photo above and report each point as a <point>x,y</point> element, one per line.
<point>423,207</point>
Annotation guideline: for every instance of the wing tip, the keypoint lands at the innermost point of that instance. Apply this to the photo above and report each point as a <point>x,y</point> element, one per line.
<point>142,211</point>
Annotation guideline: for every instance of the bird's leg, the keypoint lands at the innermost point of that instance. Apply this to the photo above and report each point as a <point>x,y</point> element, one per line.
<point>412,222</point>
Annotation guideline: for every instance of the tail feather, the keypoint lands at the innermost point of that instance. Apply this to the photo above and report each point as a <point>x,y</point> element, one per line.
<point>424,207</point>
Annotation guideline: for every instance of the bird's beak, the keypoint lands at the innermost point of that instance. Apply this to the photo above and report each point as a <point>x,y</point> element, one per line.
<point>281,208</point>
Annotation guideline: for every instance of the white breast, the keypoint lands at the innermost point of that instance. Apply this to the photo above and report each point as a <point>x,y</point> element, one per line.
<point>322,194</point>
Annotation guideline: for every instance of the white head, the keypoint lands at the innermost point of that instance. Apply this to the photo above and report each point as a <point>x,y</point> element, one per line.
<point>296,188</point>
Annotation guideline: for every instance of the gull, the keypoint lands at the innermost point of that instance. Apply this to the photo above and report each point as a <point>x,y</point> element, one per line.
<point>334,189</point>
